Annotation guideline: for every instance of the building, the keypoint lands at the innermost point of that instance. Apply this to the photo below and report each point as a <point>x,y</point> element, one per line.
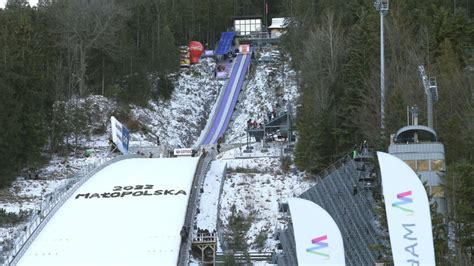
<point>278,27</point>
<point>418,147</point>
<point>247,25</point>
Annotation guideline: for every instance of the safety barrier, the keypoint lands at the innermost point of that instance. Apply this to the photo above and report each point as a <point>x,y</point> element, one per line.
<point>241,257</point>
<point>219,224</point>
<point>201,170</point>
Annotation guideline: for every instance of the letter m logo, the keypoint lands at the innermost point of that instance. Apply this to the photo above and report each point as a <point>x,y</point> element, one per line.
<point>404,199</point>
<point>318,244</point>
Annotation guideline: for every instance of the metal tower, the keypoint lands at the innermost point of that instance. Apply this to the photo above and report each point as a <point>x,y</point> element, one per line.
<point>431,91</point>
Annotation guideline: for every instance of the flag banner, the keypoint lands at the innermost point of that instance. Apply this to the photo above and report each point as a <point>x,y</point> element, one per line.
<point>120,135</point>
<point>317,237</point>
<point>408,213</point>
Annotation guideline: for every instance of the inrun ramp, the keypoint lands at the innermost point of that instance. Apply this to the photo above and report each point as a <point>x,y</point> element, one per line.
<point>224,43</point>
<point>129,213</point>
<point>231,94</point>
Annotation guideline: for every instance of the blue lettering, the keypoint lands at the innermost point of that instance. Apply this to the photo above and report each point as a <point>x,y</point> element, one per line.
<point>414,262</point>
<point>407,235</point>
<point>411,249</point>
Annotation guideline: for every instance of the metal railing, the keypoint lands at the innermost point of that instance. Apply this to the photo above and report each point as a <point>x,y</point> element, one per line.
<point>256,35</point>
<point>324,173</point>
<point>241,257</point>
<point>204,238</point>
<point>201,170</point>
<point>12,252</point>
<point>219,227</point>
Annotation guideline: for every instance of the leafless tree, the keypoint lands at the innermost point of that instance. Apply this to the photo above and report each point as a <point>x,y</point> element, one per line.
<point>84,26</point>
<point>324,51</point>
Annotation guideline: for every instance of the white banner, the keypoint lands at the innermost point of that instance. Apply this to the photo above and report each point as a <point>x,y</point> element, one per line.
<point>318,239</point>
<point>244,48</point>
<point>183,152</point>
<point>120,135</point>
<point>408,213</point>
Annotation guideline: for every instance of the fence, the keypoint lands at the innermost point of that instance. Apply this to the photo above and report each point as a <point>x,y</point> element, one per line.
<point>201,170</point>
<point>219,224</point>
<point>324,173</point>
<point>241,257</point>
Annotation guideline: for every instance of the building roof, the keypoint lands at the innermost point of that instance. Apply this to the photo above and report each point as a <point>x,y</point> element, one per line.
<point>278,23</point>
<point>424,133</point>
<point>247,17</point>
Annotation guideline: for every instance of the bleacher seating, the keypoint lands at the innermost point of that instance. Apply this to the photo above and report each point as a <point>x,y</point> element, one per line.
<point>287,239</point>
<point>353,213</point>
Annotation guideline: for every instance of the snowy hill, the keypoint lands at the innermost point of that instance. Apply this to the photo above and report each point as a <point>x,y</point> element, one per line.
<point>179,121</point>
<point>271,86</point>
<point>254,185</point>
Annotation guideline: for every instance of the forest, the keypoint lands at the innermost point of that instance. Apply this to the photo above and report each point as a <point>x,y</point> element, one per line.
<point>63,50</point>
<point>127,51</point>
<point>335,46</point>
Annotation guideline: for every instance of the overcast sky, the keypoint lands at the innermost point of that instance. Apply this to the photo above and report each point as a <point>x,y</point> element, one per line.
<point>3,2</point>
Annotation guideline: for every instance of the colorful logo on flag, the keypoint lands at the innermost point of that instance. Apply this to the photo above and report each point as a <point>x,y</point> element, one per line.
<point>318,244</point>
<point>404,199</point>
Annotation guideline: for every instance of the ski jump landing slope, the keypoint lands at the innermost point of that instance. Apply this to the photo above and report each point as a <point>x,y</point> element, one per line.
<point>129,213</point>
<point>231,94</point>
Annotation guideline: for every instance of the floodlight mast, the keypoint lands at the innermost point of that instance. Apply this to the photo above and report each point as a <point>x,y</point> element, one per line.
<point>431,91</point>
<point>382,7</point>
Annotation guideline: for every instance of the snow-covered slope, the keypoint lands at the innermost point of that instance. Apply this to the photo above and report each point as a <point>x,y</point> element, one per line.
<point>179,121</point>
<point>256,181</point>
<point>254,184</point>
<point>255,187</point>
<point>137,207</point>
<point>271,86</point>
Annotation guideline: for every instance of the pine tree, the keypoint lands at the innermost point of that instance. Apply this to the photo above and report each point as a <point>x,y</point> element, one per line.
<point>168,55</point>
<point>25,89</point>
<point>9,135</point>
<point>396,112</point>
<point>358,68</point>
<point>306,157</point>
<point>455,107</point>
<point>460,195</point>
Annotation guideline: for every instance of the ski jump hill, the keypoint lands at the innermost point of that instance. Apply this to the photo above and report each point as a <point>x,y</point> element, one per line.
<point>133,211</point>
<point>219,122</point>
<point>137,207</point>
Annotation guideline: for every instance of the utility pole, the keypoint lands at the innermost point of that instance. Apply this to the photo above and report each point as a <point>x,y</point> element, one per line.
<point>264,22</point>
<point>382,7</point>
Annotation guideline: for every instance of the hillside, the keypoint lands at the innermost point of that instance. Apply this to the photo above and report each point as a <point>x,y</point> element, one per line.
<point>67,66</point>
<point>178,123</point>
